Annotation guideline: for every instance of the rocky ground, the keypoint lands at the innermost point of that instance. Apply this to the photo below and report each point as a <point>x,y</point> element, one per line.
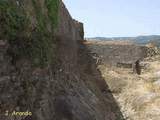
<point>137,95</point>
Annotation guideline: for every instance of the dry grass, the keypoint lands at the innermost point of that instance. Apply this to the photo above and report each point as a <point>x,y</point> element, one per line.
<point>118,42</point>
<point>138,96</point>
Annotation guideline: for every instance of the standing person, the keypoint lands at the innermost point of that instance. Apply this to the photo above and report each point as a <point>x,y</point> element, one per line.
<point>138,67</point>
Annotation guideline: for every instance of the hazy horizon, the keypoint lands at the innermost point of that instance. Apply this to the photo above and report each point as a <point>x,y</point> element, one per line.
<point>112,18</point>
<point>120,36</point>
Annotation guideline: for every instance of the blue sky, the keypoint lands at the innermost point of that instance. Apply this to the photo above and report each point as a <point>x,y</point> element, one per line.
<point>116,18</point>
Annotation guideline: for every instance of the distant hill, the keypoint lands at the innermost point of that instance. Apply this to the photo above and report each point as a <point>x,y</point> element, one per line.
<point>147,39</point>
<point>138,39</point>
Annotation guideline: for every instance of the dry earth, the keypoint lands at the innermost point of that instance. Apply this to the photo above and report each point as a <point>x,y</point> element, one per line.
<point>138,95</point>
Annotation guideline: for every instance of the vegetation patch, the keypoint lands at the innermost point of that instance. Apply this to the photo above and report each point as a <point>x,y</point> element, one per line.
<point>13,25</point>
<point>82,32</point>
<point>38,44</point>
<point>53,8</point>
<point>43,43</point>
<point>13,20</point>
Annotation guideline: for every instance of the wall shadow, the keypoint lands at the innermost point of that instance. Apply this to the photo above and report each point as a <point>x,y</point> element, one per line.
<point>90,73</point>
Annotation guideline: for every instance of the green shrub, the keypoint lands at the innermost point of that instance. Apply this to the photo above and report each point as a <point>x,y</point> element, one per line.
<point>38,44</point>
<point>13,20</point>
<point>13,24</point>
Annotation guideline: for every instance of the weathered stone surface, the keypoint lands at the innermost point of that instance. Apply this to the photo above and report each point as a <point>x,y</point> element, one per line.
<point>69,89</point>
<point>118,53</point>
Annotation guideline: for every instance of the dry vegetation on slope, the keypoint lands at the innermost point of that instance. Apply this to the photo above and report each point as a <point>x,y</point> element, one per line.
<point>138,95</point>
